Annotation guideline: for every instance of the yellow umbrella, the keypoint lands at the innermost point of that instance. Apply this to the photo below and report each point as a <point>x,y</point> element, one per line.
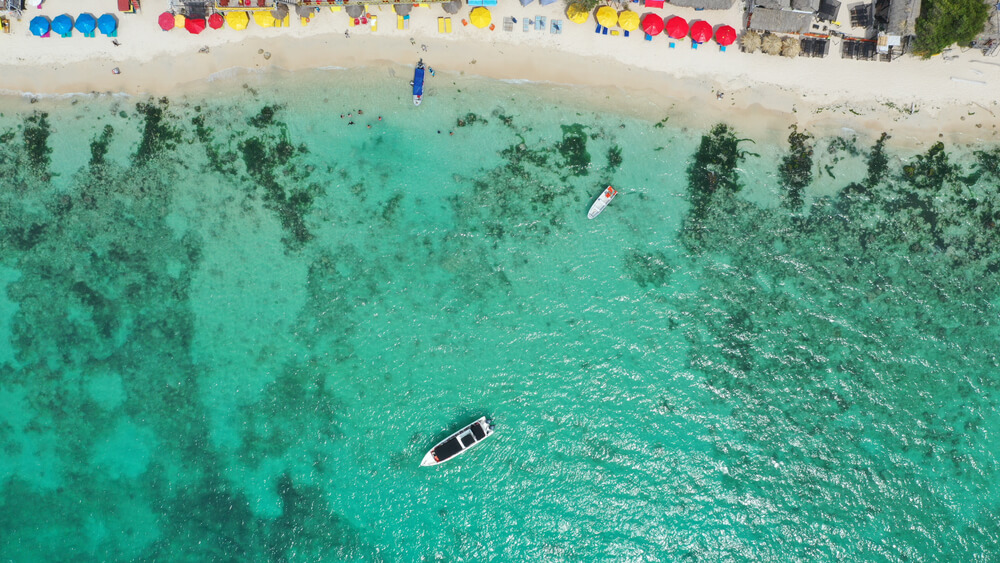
<point>607,16</point>
<point>577,13</point>
<point>237,20</point>
<point>628,20</point>
<point>263,18</point>
<point>480,17</point>
<point>179,20</point>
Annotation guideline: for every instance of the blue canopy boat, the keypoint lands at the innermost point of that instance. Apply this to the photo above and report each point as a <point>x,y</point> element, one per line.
<point>418,83</point>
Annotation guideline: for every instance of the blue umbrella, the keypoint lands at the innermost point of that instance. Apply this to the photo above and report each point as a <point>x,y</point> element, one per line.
<point>62,25</point>
<point>107,24</point>
<point>39,26</point>
<point>86,23</point>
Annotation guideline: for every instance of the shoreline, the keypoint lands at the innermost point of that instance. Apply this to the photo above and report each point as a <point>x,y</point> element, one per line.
<point>763,95</point>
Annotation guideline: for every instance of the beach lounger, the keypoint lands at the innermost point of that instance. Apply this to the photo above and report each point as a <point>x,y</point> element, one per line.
<point>597,29</point>
<point>508,24</point>
<point>441,24</point>
<point>374,20</point>
<point>556,28</point>
<point>447,25</point>
<point>399,22</point>
<point>406,21</point>
<point>540,22</point>
<point>527,24</point>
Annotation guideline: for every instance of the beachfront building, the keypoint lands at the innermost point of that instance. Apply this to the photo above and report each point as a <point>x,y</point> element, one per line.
<point>898,21</point>
<point>704,4</point>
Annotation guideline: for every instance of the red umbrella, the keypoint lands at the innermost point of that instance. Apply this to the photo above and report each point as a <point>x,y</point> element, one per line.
<point>652,24</point>
<point>166,21</point>
<point>701,31</point>
<point>677,27</point>
<point>196,26</point>
<point>726,35</point>
<point>215,21</point>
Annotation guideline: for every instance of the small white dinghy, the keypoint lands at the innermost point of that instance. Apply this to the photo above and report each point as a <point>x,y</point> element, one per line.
<point>602,202</point>
<point>459,442</point>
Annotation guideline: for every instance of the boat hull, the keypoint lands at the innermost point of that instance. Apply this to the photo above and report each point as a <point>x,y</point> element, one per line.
<point>603,200</point>
<point>458,443</point>
<point>418,83</point>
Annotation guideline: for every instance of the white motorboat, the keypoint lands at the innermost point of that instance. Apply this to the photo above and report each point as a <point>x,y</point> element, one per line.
<point>602,202</point>
<point>459,442</point>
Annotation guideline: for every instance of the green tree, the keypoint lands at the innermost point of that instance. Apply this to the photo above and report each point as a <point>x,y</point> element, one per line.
<point>943,22</point>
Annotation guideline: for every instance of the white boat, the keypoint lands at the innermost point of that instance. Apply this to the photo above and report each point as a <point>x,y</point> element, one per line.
<point>459,442</point>
<point>602,202</point>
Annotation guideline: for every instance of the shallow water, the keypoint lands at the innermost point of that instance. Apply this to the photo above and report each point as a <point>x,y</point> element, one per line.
<point>233,324</point>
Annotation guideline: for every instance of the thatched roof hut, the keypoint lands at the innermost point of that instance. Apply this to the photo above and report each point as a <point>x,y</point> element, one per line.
<point>771,44</point>
<point>750,41</point>
<point>791,47</point>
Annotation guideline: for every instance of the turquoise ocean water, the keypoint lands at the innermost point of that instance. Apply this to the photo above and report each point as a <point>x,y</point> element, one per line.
<point>231,324</point>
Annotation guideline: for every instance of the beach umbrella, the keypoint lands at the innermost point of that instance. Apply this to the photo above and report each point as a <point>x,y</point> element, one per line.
<point>39,26</point>
<point>215,21</point>
<point>725,35</point>
<point>652,24</point>
<point>263,19</point>
<point>577,13</point>
<point>402,9</point>
<point>179,20</point>
<point>452,7</point>
<point>480,17</point>
<point>791,47</point>
<point>62,25</point>
<point>750,41</point>
<point>607,16</point>
<point>628,20</point>
<point>194,25</point>
<point>166,21</point>
<point>86,23</point>
<point>107,24</point>
<point>237,20</point>
<point>771,44</point>
<point>280,12</point>
<point>677,27</point>
<point>354,10</point>
<point>701,31</point>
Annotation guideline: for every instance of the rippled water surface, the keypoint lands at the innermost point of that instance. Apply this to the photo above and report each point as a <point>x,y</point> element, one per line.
<point>232,324</point>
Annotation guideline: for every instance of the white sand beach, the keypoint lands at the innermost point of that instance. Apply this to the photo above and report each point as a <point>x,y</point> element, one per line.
<point>917,101</point>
